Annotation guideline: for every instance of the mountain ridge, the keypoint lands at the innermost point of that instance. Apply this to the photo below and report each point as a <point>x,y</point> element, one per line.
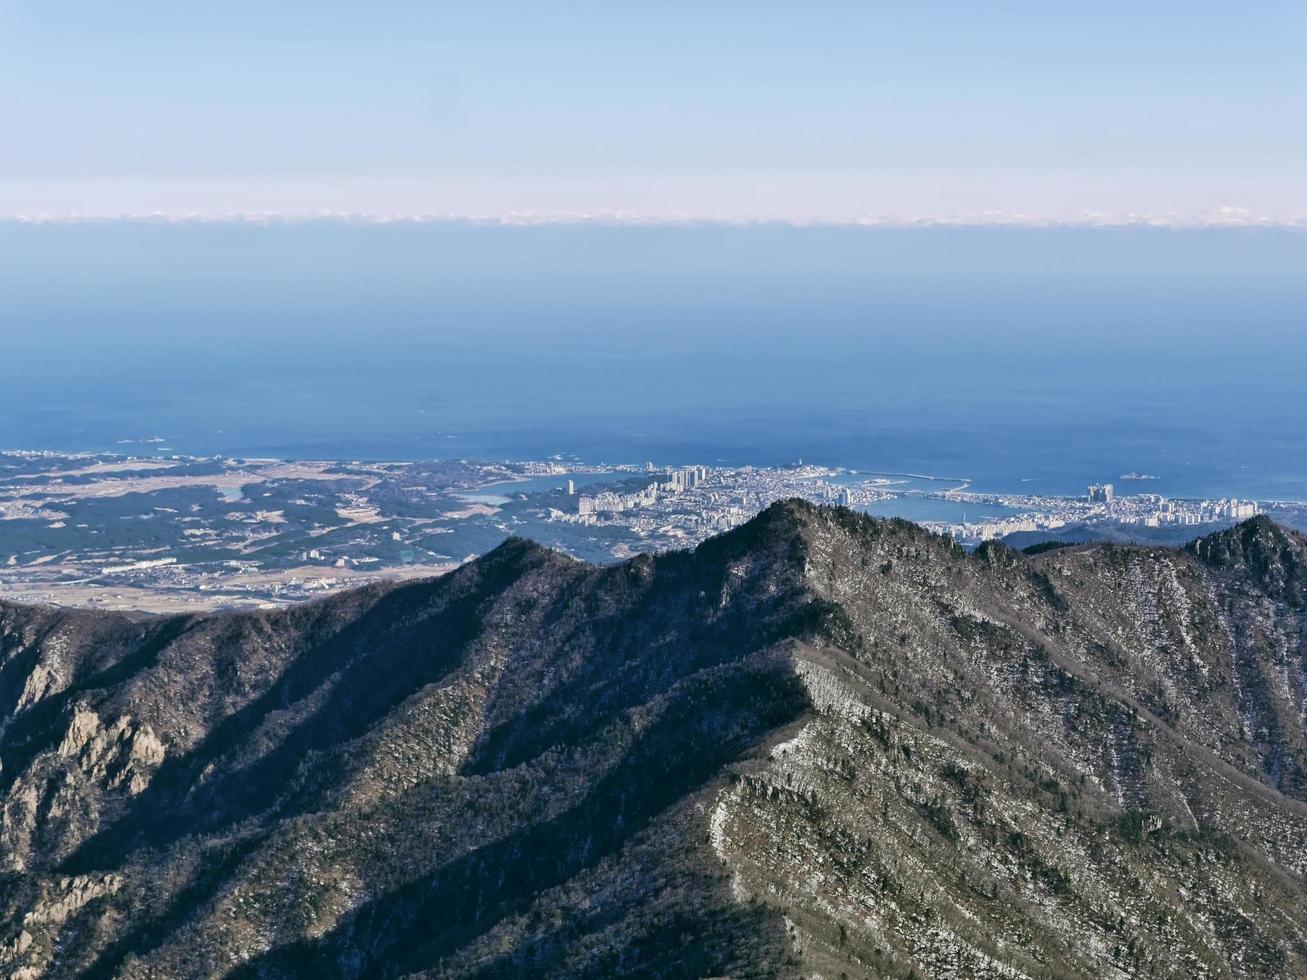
<point>819,744</point>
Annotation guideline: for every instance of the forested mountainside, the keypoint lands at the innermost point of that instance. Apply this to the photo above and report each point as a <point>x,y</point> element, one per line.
<point>820,745</point>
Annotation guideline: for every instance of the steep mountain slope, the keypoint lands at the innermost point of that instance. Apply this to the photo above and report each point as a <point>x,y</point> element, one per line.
<point>819,745</point>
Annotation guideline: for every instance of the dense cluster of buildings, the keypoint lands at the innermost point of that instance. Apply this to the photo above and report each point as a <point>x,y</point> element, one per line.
<point>688,503</point>
<point>1099,505</point>
<point>1152,510</point>
<point>1155,510</point>
<point>589,507</point>
<point>608,502</point>
<point>1000,527</point>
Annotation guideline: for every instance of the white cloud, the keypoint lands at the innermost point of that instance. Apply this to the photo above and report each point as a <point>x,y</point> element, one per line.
<point>814,199</point>
<point>1223,217</point>
<point>962,197</point>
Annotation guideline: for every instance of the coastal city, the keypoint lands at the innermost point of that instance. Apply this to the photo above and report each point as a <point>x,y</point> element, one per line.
<point>695,500</point>
<point>177,532</point>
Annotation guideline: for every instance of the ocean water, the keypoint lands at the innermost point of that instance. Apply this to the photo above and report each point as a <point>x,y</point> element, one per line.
<point>1036,360</point>
<point>501,493</point>
<point>546,484</point>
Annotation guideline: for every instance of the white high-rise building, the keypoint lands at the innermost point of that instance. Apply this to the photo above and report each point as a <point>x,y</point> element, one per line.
<point>1101,493</point>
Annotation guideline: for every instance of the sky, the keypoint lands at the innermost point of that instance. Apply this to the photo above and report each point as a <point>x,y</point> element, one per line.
<point>1169,112</point>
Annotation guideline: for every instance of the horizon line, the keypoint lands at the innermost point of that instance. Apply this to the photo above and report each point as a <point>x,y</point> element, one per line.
<point>1220,218</point>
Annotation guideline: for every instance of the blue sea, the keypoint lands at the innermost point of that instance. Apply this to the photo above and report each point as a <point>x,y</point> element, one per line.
<point>1035,360</point>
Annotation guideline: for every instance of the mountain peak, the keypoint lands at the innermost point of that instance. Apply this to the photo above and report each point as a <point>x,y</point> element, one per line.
<point>1274,556</point>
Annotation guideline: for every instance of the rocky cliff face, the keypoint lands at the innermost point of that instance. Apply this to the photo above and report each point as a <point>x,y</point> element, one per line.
<point>819,745</point>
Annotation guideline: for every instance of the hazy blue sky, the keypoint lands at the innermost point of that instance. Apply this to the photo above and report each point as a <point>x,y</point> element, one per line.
<point>709,109</point>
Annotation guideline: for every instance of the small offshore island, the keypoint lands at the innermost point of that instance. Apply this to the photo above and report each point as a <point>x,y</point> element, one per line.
<point>181,532</point>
